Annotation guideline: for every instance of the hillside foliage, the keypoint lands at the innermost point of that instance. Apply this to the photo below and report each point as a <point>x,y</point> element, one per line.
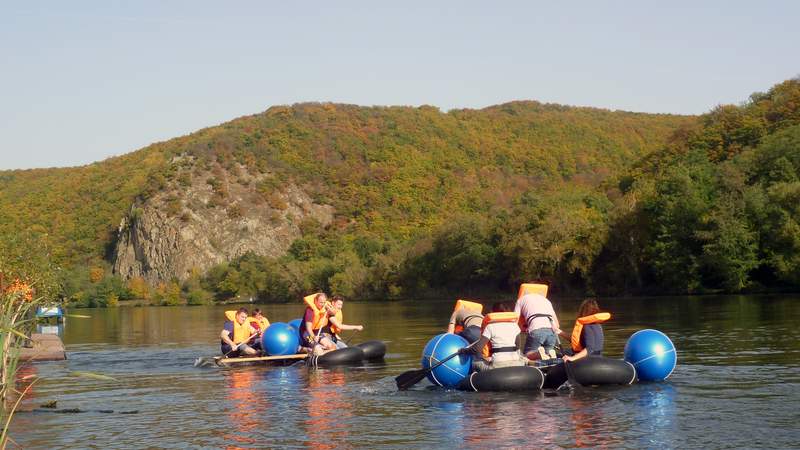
<point>425,201</point>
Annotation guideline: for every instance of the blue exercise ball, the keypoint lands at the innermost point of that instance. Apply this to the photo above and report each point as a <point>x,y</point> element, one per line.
<point>296,324</point>
<point>280,339</point>
<point>652,354</point>
<point>454,370</point>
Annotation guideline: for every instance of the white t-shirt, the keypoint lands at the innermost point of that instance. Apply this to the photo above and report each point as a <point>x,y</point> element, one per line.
<point>502,334</point>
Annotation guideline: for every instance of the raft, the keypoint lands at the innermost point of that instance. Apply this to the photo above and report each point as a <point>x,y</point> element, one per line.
<point>358,353</point>
<point>590,371</point>
<point>341,357</point>
<point>504,379</point>
<point>373,350</point>
<point>223,361</point>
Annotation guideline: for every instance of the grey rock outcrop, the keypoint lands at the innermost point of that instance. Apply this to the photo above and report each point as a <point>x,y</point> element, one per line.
<point>190,228</point>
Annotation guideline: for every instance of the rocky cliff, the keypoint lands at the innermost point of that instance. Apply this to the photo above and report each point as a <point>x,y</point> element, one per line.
<point>208,216</point>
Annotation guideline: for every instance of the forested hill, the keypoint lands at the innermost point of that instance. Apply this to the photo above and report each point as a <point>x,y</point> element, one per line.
<point>717,209</point>
<point>389,169</point>
<point>378,202</point>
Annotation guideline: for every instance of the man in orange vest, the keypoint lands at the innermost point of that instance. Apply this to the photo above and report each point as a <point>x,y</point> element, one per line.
<point>335,322</point>
<point>237,335</point>
<point>312,338</point>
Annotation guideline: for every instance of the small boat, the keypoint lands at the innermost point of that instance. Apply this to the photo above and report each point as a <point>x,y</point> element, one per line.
<point>357,354</point>
<point>222,361</point>
<point>50,312</point>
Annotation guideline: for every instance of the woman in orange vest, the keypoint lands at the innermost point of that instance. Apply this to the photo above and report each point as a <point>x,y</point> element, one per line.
<point>499,335</point>
<point>587,335</point>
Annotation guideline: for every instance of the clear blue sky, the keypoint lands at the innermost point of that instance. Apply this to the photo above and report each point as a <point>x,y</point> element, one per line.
<point>81,81</point>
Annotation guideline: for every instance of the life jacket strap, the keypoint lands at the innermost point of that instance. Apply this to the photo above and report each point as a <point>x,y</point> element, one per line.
<point>504,349</point>
<point>474,316</point>
<point>537,315</point>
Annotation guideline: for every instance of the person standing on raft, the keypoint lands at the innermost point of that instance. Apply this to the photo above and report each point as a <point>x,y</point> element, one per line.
<point>539,318</point>
<point>336,322</point>
<point>312,338</point>
<point>466,320</point>
<point>497,346</point>
<point>587,335</point>
<point>237,334</point>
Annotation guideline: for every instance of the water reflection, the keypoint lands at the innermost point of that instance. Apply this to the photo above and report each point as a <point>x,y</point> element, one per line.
<point>244,407</point>
<point>655,412</point>
<point>328,410</point>
<point>736,354</point>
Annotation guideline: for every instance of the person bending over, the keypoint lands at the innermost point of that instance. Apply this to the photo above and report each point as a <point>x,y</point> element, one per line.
<point>541,322</point>
<point>466,320</point>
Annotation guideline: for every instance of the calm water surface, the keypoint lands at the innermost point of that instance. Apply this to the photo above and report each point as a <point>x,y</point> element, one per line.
<point>737,385</point>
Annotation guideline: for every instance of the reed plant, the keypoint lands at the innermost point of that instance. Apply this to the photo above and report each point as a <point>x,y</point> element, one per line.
<point>17,304</point>
<point>27,279</point>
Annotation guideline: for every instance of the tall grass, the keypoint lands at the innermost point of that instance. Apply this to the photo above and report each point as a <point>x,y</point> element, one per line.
<point>27,279</point>
<point>17,307</point>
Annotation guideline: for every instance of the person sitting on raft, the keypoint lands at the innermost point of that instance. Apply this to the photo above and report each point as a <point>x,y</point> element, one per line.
<point>237,334</point>
<point>312,338</point>
<point>335,322</point>
<point>260,323</point>
<point>587,335</point>
<point>466,320</point>
<point>541,322</point>
<point>499,337</point>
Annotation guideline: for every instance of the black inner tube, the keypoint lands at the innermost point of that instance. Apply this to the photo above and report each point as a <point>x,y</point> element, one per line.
<point>518,378</point>
<point>348,355</point>
<point>372,349</point>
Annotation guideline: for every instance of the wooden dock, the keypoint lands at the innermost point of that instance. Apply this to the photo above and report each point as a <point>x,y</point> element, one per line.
<point>44,347</point>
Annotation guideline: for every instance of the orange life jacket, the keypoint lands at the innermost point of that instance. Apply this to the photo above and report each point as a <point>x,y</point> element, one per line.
<point>241,333</point>
<point>496,317</point>
<point>473,307</point>
<point>320,315</point>
<point>339,318</point>
<point>575,339</point>
<point>532,288</point>
<point>259,324</point>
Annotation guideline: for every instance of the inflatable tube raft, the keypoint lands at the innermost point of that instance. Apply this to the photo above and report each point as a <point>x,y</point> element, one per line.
<point>372,349</point>
<point>591,371</point>
<point>520,378</point>
<point>343,356</point>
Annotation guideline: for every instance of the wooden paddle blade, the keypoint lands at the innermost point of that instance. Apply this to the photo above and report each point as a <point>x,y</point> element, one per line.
<point>407,379</point>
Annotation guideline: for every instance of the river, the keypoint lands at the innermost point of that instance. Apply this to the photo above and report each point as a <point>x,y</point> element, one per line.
<point>737,385</point>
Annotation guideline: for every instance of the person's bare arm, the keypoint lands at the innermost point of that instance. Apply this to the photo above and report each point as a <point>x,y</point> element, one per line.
<point>344,327</point>
<point>225,336</point>
<point>451,327</point>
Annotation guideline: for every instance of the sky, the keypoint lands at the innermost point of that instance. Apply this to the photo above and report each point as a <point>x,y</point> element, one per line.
<point>81,81</point>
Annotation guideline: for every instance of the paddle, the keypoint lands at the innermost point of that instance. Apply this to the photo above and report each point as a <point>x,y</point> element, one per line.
<point>407,379</point>
<point>203,361</point>
<point>221,361</point>
<point>570,375</point>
